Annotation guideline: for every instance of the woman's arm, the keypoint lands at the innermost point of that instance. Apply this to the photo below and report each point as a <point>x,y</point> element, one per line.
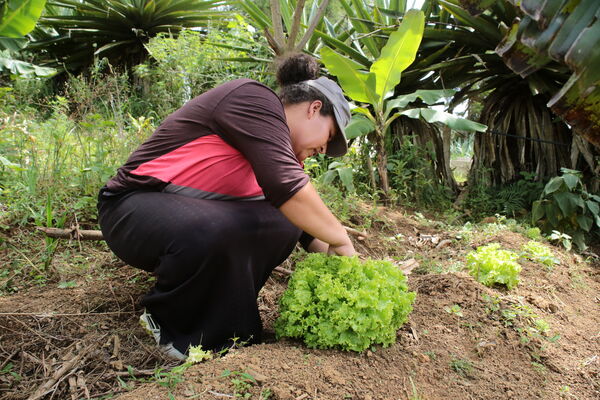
<point>306,210</point>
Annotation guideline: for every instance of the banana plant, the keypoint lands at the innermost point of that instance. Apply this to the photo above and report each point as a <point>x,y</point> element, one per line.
<point>566,32</point>
<point>18,17</point>
<point>375,88</point>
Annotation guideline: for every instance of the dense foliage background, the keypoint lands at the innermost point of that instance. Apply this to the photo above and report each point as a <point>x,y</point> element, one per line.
<point>93,79</point>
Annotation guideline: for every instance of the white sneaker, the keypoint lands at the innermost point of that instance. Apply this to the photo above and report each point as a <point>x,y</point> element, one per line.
<point>153,329</point>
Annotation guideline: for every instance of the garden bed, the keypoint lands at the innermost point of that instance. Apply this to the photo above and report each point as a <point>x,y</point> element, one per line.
<point>79,337</point>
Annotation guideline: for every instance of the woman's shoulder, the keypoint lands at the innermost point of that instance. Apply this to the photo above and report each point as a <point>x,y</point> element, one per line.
<point>247,84</point>
<point>246,93</point>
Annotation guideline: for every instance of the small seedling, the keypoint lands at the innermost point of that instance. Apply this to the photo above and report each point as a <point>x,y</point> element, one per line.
<point>455,309</point>
<point>242,382</point>
<point>197,355</point>
<point>539,368</point>
<point>461,367</point>
<point>8,370</point>
<point>540,254</point>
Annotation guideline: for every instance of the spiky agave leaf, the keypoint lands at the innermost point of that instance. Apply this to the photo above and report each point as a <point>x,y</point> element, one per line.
<point>79,30</point>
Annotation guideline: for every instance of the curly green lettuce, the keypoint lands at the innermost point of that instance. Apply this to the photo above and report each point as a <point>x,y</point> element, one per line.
<point>490,266</point>
<point>345,303</point>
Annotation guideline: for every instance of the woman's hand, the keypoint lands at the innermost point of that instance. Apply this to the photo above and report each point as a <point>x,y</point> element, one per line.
<point>342,250</point>
<point>306,210</point>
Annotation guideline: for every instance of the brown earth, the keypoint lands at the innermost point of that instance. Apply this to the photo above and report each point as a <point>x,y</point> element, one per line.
<point>486,347</point>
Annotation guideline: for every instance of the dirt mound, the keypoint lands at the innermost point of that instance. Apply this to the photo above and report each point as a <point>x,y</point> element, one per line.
<point>463,340</point>
<point>470,352</point>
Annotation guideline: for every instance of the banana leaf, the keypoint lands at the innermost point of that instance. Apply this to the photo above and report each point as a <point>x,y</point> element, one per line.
<point>18,17</point>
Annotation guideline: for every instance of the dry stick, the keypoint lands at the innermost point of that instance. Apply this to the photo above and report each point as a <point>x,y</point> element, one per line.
<point>73,233</point>
<point>66,367</point>
<point>283,271</point>
<point>49,315</point>
<point>355,232</point>
<point>82,234</point>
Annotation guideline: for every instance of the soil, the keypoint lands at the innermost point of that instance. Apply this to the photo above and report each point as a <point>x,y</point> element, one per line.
<point>463,340</point>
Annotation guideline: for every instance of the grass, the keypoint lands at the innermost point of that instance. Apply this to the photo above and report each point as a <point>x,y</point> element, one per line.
<point>462,367</point>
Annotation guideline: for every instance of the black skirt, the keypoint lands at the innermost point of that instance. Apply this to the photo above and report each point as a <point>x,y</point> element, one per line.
<point>210,258</point>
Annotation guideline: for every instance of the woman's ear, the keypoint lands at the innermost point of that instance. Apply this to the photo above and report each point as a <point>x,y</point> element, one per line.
<point>314,108</point>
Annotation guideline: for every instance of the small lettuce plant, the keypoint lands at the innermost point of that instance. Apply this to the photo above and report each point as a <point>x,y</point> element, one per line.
<point>345,303</point>
<point>490,265</point>
<point>539,253</point>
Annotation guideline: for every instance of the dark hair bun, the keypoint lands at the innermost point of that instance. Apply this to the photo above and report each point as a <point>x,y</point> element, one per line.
<point>297,68</point>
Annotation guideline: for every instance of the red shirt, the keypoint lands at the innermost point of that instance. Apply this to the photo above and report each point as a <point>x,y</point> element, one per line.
<point>231,142</point>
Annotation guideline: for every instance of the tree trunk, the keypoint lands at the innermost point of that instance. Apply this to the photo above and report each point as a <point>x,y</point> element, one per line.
<point>381,161</point>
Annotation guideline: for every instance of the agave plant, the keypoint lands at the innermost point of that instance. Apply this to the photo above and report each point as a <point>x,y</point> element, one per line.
<point>290,27</point>
<point>74,32</point>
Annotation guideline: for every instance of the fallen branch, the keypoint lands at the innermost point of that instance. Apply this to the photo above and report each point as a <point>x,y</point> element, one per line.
<point>66,368</point>
<point>51,314</point>
<point>407,266</point>
<point>83,234</point>
<point>72,233</point>
<point>356,233</point>
<point>283,271</point>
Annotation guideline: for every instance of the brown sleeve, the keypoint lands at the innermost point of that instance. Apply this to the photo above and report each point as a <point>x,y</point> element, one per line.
<point>251,119</point>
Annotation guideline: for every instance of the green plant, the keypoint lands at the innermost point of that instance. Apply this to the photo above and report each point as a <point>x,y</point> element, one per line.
<point>455,309</point>
<point>192,62</point>
<point>490,265</point>
<point>413,177</point>
<point>462,367</point>
<point>341,170</point>
<point>521,318</point>
<point>78,31</point>
<point>534,233</point>
<point>242,383</point>
<point>539,253</point>
<point>345,303</point>
<point>8,370</point>
<point>375,89</point>
<point>197,355</point>
<point>18,17</point>
<point>561,238</point>
<point>567,207</point>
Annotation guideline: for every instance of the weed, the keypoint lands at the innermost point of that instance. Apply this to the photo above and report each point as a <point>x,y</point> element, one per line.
<point>566,206</point>
<point>242,383</point>
<point>462,367</point>
<point>415,393</point>
<point>521,318</point>
<point>167,378</point>
<point>455,309</point>
<point>539,368</point>
<point>561,238</point>
<point>539,253</point>
<point>8,370</point>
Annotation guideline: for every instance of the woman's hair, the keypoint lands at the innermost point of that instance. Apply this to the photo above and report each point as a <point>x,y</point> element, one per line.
<point>291,72</point>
